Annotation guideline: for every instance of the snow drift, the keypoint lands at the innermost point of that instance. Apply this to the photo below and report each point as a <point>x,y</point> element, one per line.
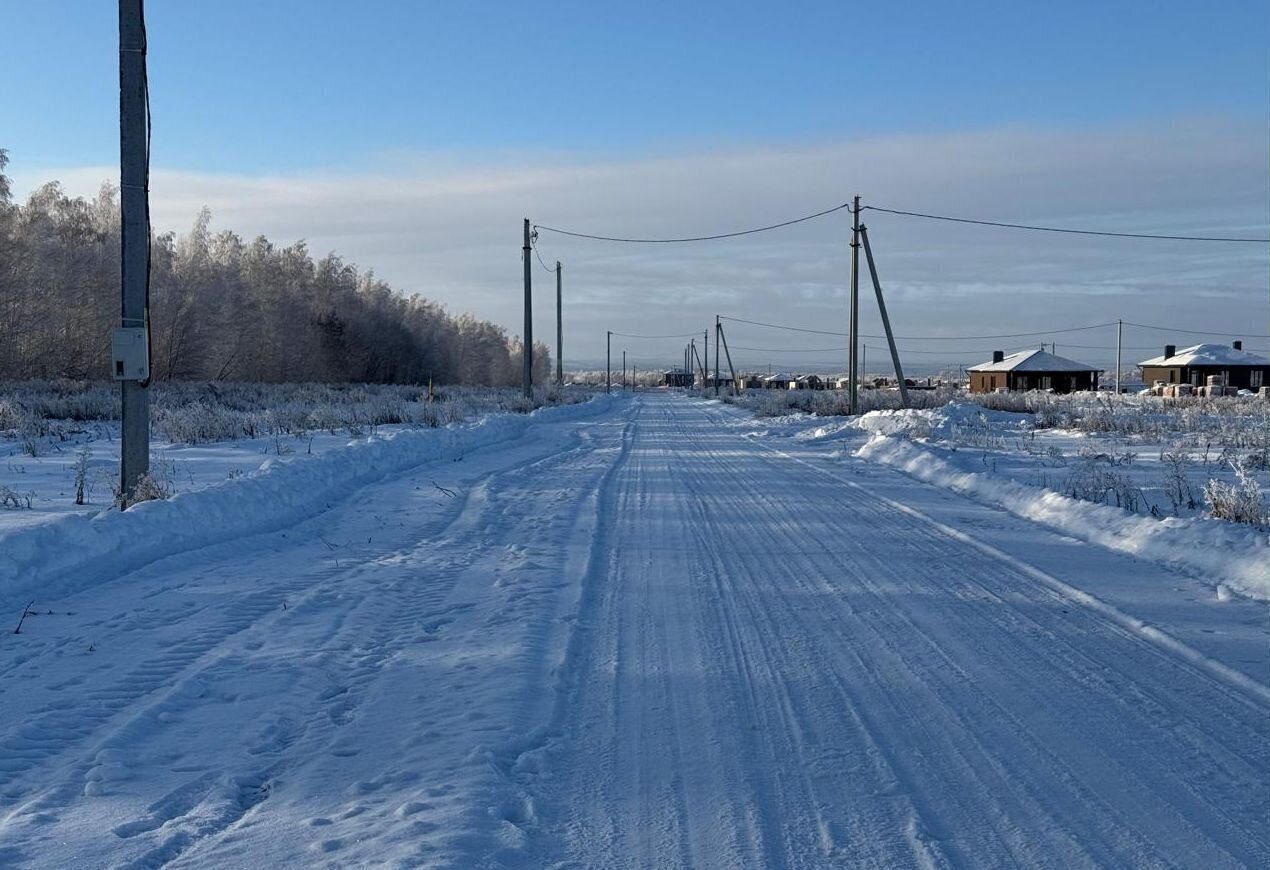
<point>74,551</point>
<point>1218,551</point>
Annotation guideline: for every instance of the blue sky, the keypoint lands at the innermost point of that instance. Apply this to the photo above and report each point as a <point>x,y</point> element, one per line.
<point>411,137</point>
<point>282,85</point>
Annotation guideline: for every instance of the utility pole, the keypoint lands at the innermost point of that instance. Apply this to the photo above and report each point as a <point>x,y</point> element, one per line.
<point>134,195</point>
<point>716,355</point>
<point>705,361</point>
<point>886,321</point>
<point>559,329</point>
<point>608,362</point>
<point>623,371</point>
<point>528,354</point>
<point>1119,334</point>
<point>736,387</point>
<point>853,371</point>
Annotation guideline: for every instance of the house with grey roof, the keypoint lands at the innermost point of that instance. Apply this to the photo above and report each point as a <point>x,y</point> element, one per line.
<point>1193,365</point>
<point>1032,370</point>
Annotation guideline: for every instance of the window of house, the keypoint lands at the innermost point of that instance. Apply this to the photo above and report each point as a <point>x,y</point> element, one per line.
<point>1256,378</point>
<point>1047,382</point>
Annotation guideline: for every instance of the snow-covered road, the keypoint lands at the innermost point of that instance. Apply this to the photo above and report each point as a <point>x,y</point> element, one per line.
<point>648,638</point>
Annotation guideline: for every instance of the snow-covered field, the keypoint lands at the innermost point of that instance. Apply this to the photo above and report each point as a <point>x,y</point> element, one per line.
<point>59,441</point>
<point>1159,485</point>
<point>646,630</point>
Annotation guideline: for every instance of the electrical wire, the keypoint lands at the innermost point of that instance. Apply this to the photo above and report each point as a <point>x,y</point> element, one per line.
<point>958,352</point>
<point>937,217</point>
<point>920,337</point>
<point>533,243</point>
<point>694,238</point>
<point>678,335</point>
<point>1194,331</point>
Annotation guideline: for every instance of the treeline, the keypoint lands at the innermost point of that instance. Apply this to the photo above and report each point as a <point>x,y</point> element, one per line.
<point>222,308</point>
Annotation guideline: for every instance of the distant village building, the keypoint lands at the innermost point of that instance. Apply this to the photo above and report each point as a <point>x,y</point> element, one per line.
<point>1032,370</point>
<point>780,381</point>
<point>808,382</point>
<point>677,377</point>
<point>1234,366</point>
<point>721,380</point>
<point>752,382</point>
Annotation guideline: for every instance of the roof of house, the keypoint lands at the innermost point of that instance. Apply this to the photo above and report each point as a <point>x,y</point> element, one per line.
<point>1208,355</point>
<point>780,376</point>
<point>1033,361</point>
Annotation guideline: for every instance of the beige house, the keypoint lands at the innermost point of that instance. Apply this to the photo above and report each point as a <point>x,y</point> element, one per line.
<point>1032,370</point>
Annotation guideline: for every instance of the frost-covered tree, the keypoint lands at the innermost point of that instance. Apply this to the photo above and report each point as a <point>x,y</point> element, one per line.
<point>221,307</point>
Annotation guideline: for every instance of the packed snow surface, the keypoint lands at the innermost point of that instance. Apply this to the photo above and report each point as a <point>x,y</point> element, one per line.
<point>644,632</point>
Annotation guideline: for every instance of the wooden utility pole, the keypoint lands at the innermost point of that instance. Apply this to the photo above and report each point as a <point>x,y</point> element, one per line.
<point>854,331</point>
<point>134,196</point>
<point>608,362</point>
<point>623,371</point>
<point>559,328</point>
<point>527,377</point>
<point>1119,334</point>
<point>886,321</point>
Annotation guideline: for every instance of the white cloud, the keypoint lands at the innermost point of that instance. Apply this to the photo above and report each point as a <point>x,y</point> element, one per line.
<point>451,231</point>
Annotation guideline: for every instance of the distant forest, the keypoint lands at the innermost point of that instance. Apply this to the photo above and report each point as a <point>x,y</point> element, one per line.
<point>222,308</point>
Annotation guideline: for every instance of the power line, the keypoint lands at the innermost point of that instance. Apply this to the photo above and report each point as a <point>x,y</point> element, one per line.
<point>923,337</point>
<point>695,238</point>
<point>937,217</point>
<point>677,335</point>
<point>533,243</point>
<point>1195,331</point>
<point>842,349</point>
<point>950,353</point>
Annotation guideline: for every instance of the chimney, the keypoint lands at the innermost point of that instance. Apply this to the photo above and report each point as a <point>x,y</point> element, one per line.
<point>1170,350</point>
<point>1237,345</point>
<point>998,355</point>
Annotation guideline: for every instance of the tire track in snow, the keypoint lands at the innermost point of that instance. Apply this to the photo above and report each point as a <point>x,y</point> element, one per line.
<point>836,654</point>
<point>224,635</point>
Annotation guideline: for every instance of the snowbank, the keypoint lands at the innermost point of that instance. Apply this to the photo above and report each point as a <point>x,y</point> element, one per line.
<point>1219,551</point>
<point>74,551</point>
<point>940,422</point>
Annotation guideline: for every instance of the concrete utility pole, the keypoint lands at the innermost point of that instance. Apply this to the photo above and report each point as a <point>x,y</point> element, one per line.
<point>736,386</point>
<point>623,371</point>
<point>716,355</point>
<point>886,321</point>
<point>608,362</point>
<point>1119,334</point>
<point>528,355</point>
<point>134,196</point>
<point>854,330</point>
<point>559,328</point>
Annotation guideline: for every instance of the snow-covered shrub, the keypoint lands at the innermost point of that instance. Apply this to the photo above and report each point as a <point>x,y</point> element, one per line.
<point>11,498</point>
<point>1177,484</point>
<point>199,412</point>
<point>1238,502</point>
